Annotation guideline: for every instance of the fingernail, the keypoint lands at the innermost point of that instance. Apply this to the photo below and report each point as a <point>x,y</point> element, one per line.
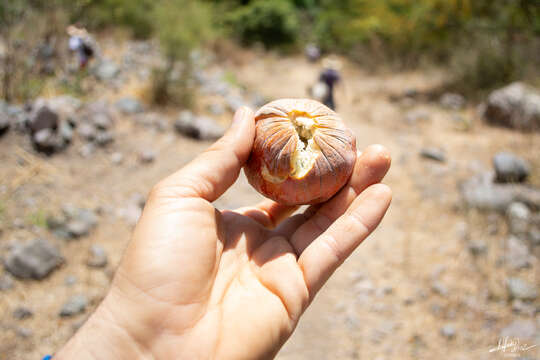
<point>239,116</point>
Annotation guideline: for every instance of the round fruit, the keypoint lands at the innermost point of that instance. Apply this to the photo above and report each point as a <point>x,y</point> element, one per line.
<point>303,153</point>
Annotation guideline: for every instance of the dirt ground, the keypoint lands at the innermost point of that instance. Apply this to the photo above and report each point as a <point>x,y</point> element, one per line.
<point>379,305</point>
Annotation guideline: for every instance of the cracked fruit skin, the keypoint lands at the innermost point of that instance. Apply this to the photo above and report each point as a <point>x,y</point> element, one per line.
<point>302,154</point>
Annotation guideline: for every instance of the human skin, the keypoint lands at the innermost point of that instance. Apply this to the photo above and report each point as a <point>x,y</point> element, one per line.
<point>199,283</point>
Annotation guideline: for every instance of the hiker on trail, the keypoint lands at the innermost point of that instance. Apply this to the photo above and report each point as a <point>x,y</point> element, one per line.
<point>330,76</point>
<point>196,282</point>
<point>82,43</point>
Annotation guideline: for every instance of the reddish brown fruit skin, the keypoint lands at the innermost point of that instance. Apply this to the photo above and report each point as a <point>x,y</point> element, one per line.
<point>276,140</point>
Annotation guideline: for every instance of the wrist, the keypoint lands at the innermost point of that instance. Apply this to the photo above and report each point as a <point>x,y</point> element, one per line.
<point>102,337</point>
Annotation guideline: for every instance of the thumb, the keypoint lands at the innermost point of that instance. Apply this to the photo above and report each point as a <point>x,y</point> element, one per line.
<point>211,173</point>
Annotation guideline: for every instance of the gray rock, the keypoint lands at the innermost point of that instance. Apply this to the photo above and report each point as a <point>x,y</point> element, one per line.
<point>47,141</point>
<point>87,150</point>
<point>117,158</point>
<point>534,236</point>
<point>65,131</point>
<point>44,118</point>
<point>517,254</point>
<point>6,282</point>
<point>106,70</point>
<point>448,331</point>
<point>519,289</point>
<point>147,156</point>
<point>129,105</point>
<point>87,131</point>
<point>104,138</point>
<point>22,312</point>
<point>433,153</point>
<point>452,101</point>
<point>510,168</point>
<point>477,247</point>
<point>417,115</point>
<point>101,120</point>
<point>70,280</point>
<point>23,332</point>
<point>521,307</point>
<point>521,328</point>
<point>202,128</point>
<point>516,106</point>
<point>74,305</point>
<point>519,216</point>
<point>4,122</point>
<point>78,228</point>
<point>97,256</point>
<point>439,288</point>
<point>34,259</point>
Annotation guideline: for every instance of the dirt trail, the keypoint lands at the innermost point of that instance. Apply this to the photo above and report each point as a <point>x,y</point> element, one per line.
<point>381,303</point>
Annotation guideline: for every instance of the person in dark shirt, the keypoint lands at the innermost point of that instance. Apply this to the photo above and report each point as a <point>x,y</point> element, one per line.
<point>330,76</point>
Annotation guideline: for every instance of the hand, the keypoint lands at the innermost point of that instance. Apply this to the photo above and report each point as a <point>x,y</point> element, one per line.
<point>198,283</point>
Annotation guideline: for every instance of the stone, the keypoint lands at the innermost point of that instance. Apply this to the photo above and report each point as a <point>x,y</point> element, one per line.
<point>44,118</point>
<point>524,308</point>
<point>534,236</point>
<point>97,256</point>
<point>519,289</point>
<point>216,109</point>
<point>35,259</point>
<point>22,312</point>
<point>117,158</point>
<point>517,254</point>
<point>515,106</point>
<point>518,215</point>
<point>104,138</point>
<point>46,141</point>
<point>439,288</point>
<point>101,120</point>
<point>510,168</point>
<point>448,331</point>
<point>202,128</point>
<point>4,123</point>
<point>70,280</point>
<point>6,282</point>
<point>23,332</point>
<point>87,150</point>
<point>147,156</point>
<point>106,70</point>
<point>433,153</point>
<point>520,328</point>
<point>87,131</point>
<point>477,247</point>
<point>452,101</point>
<point>417,115</point>
<point>65,131</point>
<point>73,306</point>
<point>78,228</point>
<point>129,105</point>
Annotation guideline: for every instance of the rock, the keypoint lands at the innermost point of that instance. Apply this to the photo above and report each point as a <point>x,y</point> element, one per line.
<point>432,153</point>
<point>534,236</point>
<point>4,123</point>
<point>216,109</point>
<point>448,331</point>
<point>87,131</point>
<point>521,329</point>
<point>78,228</point>
<point>521,307</point>
<point>510,168</point>
<point>87,150</point>
<point>129,105</point>
<point>70,280</point>
<point>147,156</point>
<point>74,305</point>
<point>481,192</point>
<point>518,215</point>
<point>117,158</point>
<point>417,115</point>
<point>517,254</point>
<point>201,127</point>
<point>439,288</point>
<point>101,121</point>
<point>23,332</point>
<point>516,106</point>
<point>97,257</point>
<point>21,313</point>
<point>477,247</point>
<point>6,282</point>
<point>46,141</point>
<point>452,101</point>
<point>44,118</point>
<point>519,289</point>
<point>312,52</point>
<point>104,138</point>
<point>65,131</point>
<point>106,70</point>
<point>34,259</point>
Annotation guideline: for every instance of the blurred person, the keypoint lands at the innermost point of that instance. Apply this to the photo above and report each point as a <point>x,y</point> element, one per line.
<point>329,78</point>
<point>198,283</point>
<point>312,52</point>
<point>81,43</point>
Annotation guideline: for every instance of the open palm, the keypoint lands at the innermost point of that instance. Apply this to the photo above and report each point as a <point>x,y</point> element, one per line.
<point>198,283</point>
